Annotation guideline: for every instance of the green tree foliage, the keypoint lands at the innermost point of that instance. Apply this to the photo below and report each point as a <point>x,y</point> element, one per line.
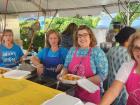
<point>134,13</point>
<point>95,21</point>
<point>58,23</point>
<point>26,32</point>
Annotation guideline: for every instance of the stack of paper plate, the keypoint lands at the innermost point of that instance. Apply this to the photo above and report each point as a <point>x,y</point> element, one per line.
<point>63,99</point>
<point>88,85</point>
<point>16,74</point>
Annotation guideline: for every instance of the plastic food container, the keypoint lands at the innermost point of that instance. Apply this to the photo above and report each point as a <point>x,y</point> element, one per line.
<point>88,85</point>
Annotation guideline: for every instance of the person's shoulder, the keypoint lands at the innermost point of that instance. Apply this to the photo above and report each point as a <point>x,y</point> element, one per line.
<point>1,46</point>
<point>16,46</point>
<point>63,49</point>
<point>125,69</point>
<point>113,50</point>
<point>122,49</point>
<point>45,48</point>
<point>129,64</point>
<point>97,50</point>
<point>72,49</point>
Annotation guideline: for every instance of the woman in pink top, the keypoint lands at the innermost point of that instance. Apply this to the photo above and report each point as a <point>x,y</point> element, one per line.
<point>129,74</point>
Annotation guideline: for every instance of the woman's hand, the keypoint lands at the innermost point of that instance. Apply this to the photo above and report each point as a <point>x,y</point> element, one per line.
<point>59,68</point>
<point>40,69</point>
<point>63,72</point>
<point>95,79</point>
<point>21,60</point>
<point>38,65</point>
<point>35,60</point>
<point>59,76</point>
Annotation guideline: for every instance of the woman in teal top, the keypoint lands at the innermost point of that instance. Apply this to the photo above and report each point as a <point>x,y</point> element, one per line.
<point>88,61</point>
<point>98,60</point>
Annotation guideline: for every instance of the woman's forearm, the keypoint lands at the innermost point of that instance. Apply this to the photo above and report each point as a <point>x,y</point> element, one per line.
<point>64,71</point>
<point>112,93</point>
<point>95,79</point>
<point>35,60</point>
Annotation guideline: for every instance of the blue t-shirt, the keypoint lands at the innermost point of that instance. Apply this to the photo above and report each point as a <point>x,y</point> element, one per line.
<point>62,52</point>
<point>10,57</point>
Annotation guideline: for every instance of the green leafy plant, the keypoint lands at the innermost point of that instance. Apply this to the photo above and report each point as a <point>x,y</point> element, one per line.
<point>134,13</point>
<point>58,23</point>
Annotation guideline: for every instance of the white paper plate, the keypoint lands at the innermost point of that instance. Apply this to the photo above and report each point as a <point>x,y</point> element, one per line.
<point>63,99</point>
<point>16,74</point>
<point>5,71</point>
<point>88,85</point>
<point>89,103</point>
<point>5,68</point>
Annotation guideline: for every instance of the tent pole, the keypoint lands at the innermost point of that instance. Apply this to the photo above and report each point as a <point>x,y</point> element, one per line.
<point>128,15</point>
<point>45,44</point>
<point>5,15</point>
<point>107,11</point>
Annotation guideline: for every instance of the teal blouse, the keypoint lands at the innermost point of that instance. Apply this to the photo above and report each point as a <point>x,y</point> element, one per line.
<point>98,60</point>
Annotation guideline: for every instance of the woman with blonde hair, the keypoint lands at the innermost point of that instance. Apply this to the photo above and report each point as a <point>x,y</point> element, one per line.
<point>86,60</point>
<point>128,75</point>
<point>116,56</point>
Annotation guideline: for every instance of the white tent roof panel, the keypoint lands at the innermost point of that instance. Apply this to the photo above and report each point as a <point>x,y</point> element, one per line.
<point>62,4</point>
<point>64,7</point>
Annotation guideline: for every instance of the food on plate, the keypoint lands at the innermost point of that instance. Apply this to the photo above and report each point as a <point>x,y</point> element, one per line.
<point>2,71</point>
<point>70,77</point>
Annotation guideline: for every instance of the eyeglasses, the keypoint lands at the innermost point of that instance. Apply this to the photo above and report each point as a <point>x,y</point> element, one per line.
<point>7,35</point>
<point>83,35</point>
<point>136,49</point>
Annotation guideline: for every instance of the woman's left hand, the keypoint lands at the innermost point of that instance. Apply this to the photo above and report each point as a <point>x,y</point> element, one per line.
<point>95,79</point>
<point>40,69</point>
<point>59,68</point>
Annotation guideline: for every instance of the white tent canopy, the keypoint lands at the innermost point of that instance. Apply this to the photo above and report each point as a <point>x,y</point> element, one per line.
<point>63,7</point>
<point>57,7</point>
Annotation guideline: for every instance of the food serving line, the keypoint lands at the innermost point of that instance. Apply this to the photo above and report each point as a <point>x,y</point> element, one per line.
<point>24,92</point>
<point>35,90</point>
<point>30,91</point>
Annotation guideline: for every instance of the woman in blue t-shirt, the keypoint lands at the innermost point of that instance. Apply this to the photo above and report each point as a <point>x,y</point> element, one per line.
<point>10,53</point>
<point>50,60</point>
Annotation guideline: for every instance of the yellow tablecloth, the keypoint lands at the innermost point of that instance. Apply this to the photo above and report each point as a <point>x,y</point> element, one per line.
<point>24,92</point>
